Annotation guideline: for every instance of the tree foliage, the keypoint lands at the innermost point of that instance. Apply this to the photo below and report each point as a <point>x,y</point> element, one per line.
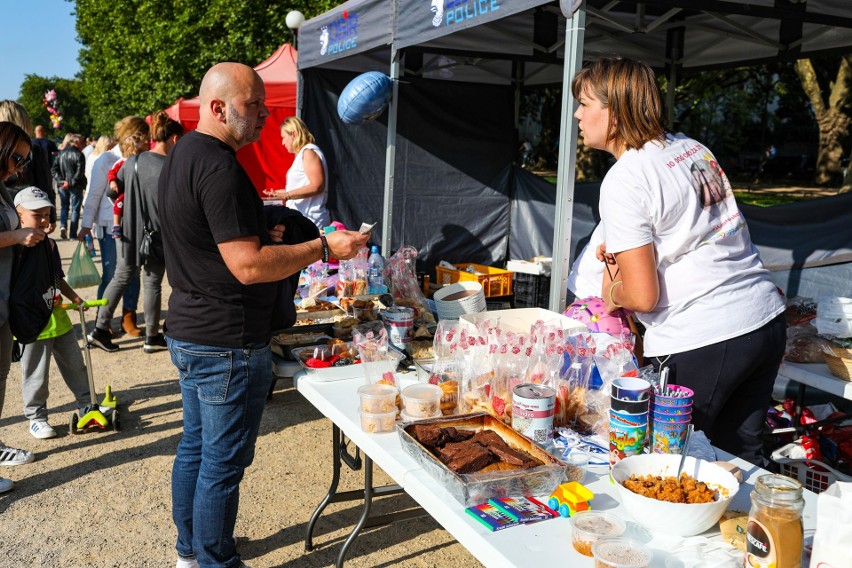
<point>139,56</point>
<point>72,104</point>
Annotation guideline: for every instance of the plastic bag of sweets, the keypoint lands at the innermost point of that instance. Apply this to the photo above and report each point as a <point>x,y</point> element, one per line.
<point>573,385</point>
<point>510,367</point>
<point>402,281</point>
<point>477,372</point>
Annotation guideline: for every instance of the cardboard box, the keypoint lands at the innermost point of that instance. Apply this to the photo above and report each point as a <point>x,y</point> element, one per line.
<point>540,267</point>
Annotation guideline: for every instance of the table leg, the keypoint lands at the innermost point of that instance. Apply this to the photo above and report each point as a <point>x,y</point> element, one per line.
<point>332,490</point>
<point>341,454</point>
<point>365,514</point>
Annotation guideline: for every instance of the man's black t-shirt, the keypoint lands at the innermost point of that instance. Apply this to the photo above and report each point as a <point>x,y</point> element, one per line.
<point>206,198</point>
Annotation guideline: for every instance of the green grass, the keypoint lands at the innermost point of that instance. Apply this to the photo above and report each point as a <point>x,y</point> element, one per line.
<point>767,199</point>
<point>759,198</point>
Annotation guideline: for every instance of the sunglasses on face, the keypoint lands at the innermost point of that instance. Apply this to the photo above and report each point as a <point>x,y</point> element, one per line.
<point>22,161</point>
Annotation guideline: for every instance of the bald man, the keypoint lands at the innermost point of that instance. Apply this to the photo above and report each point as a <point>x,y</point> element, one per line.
<point>226,274</point>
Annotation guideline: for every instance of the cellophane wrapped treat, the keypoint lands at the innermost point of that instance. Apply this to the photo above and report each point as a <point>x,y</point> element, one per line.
<point>446,371</point>
<point>614,356</point>
<point>315,282</point>
<point>572,391</point>
<point>402,281</point>
<point>378,359</point>
<point>352,275</point>
<point>476,372</point>
<point>548,350</point>
<point>511,362</point>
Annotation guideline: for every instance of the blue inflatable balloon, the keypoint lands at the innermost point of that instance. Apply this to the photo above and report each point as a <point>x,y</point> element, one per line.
<point>364,98</point>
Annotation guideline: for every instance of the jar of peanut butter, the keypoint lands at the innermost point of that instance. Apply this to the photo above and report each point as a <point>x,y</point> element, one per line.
<point>775,534</point>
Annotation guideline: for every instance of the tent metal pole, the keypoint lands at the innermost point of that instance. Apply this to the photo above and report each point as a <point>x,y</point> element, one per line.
<point>568,133</point>
<point>390,157</point>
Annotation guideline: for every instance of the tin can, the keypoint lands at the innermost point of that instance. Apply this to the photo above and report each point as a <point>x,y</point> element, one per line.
<point>533,406</point>
<point>399,320</point>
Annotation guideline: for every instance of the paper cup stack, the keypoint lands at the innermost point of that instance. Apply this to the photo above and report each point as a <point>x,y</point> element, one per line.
<point>672,412</point>
<point>460,298</point>
<point>628,417</point>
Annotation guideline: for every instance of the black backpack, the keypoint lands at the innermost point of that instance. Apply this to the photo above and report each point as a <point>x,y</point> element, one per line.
<point>33,291</point>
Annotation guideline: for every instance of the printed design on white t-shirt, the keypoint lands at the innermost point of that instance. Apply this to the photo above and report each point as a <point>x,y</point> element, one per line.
<point>709,181</point>
<point>725,228</point>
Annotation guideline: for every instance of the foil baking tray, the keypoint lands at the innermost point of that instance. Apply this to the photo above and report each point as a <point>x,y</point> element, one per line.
<point>475,488</point>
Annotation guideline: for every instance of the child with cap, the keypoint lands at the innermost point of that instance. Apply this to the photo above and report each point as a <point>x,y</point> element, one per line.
<point>33,207</point>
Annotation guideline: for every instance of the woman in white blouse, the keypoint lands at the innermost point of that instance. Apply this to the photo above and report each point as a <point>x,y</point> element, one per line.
<point>307,178</point>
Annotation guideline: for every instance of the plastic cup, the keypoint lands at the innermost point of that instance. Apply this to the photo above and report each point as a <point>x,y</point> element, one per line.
<point>625,440</point>
<point>671,410</point>
<point>668,437</point>
<point>628,419</point>
<point>683,398</point>
<point>621,553</point>
<point>587,527</point>
<point>672,418</point>
<point>629,406</point>
<point>630,388</point>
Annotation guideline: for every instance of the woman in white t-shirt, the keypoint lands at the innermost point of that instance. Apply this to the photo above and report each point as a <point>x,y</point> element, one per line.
<point>678,254</point>
<point>307,178</point>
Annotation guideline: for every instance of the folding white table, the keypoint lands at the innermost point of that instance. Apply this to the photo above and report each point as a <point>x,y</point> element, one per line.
<point>547,543</point>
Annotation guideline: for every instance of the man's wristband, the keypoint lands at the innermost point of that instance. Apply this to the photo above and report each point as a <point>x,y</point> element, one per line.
<point>324,242</point>
<point>611,289</point>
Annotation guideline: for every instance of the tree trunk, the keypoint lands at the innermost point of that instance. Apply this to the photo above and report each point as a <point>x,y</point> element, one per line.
<point>833,122</point>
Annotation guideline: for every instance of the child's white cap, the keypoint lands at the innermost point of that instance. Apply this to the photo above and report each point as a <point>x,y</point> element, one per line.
<point>32,198</point>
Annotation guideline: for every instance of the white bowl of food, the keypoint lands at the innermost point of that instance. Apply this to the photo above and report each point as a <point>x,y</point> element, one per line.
<point>707,481</point>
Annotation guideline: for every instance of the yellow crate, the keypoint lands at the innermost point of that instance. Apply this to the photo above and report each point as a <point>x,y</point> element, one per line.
<point>495,281</point>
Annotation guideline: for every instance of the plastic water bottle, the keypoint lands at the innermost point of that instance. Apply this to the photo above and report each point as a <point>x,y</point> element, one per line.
<point>90,244</point>
<point>376,274</point>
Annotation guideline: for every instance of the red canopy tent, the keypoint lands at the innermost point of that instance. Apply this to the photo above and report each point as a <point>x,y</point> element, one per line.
<point>266,161</point>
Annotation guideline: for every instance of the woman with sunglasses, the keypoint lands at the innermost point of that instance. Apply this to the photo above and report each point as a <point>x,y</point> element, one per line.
<point>37,172</point>
<point>15,148</point>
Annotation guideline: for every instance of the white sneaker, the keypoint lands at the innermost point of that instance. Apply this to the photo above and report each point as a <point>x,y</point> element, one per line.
<point>41,429</point>
<point>187,563</point>
<point>5,485</point>
<point>14,456</point>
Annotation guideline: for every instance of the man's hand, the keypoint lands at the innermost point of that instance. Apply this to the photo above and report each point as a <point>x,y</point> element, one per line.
<point>344,245</point>
<point>64,185</point>
<point>81,234</point>
<point>30,237</point>
<point>276,233</point>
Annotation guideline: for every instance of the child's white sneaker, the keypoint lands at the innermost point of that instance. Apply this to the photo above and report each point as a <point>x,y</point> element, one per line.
<point>187,562</point>
<point>41,429</point>
<point>5,485</point>
<point>14,456</point>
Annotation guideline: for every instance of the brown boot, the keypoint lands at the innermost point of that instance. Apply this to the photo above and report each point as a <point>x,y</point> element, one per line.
<point>128,324</point>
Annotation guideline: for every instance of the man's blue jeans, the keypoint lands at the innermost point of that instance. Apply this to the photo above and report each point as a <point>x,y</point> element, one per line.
<point>223,392</point>
<point>130,298</point>
<point>70,199</point>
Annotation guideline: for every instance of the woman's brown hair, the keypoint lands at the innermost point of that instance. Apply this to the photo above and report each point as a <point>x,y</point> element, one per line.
<point>10,136</point>
<point>628,88</point>
<point>133,135</point>
<point>163,127</point>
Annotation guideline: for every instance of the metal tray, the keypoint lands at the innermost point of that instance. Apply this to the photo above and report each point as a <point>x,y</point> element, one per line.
<point>475,488</point>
